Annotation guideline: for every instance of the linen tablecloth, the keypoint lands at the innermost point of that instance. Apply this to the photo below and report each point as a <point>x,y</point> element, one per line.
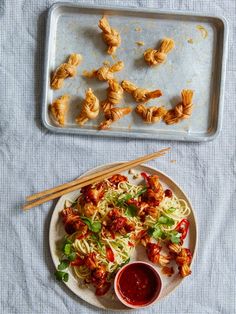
<point>33,159</point>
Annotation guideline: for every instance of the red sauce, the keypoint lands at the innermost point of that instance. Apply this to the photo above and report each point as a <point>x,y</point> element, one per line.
<point>138,284</point>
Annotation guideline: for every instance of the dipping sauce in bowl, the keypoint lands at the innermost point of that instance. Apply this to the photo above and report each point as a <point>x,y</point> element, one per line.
<point>137,284</point>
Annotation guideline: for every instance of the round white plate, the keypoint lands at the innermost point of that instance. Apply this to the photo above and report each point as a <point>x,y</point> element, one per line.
<point>109,301</point>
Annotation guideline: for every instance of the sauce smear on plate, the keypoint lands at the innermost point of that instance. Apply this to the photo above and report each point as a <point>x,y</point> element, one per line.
<point>138,284</point>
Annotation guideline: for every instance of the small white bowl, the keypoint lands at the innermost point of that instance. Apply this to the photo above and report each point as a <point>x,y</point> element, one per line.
<point>121,297</point>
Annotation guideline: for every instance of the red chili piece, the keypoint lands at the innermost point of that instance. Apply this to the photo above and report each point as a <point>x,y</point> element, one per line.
<point>182,227</point>
<point>78,262</point>
<point>110,254</point>
<point>130,244</point>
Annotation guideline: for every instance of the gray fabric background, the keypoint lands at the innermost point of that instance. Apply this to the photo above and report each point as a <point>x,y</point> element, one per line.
<point>33,159</point>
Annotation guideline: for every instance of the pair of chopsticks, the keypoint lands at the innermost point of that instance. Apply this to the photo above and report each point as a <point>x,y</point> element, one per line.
<point>48,195</point>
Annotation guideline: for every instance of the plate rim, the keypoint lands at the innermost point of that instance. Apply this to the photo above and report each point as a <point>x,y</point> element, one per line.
<point>105,166</point>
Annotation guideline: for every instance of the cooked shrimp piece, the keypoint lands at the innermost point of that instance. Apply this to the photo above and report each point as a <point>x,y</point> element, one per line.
<point>105,72</point>
<point>140,94</point>
<point>182,110</point>
<point>113,115</point>
<point>90,108</point>
<point>150,114</point>
<point>59,108</point>
<point>155,57</point>
<point>68,69</point>
<point>110,35</point>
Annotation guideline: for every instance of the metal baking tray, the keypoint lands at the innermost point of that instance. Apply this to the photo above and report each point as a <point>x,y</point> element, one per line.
<point>198,62</point>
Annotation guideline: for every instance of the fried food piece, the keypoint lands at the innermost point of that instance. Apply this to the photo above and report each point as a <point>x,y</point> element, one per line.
<point>116,179</point>
<point>92,193</point>
<point>153,254</point>
<point>167,271</point>
<point>155,192</point>
<point>114,95</point>
<point>184,259</point>
<point>114,92</point>
<point>105,72</point>
<point>140,94</point>
<point>182,110</point>
<point>150,114</point>
<point>90,108</point>
<point>72,221</point>
<point>175,248</point>
<point>113,115</point>
<point>110,35</point>
<point>155,57</point>
<point>59,108</point>
<point>65,70</point>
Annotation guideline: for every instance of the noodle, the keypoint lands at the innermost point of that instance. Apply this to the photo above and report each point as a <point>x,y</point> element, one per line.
<point>122,246</point>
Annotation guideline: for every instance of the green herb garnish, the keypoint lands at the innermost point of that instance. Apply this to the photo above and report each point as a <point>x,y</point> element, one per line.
<point>67,249</point>
<point>144,189</point>
<point>164,220</point>
<point>121,201</point>
<point>63,265</point>
<point>72,256</point>
<point>157,233</point>
<point>171,210</point>
<point>131,211</point>
<point>94,226</point>
<point>61,275</point>
<point>174,236</point>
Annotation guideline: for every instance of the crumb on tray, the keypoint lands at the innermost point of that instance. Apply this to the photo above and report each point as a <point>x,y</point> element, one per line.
<point>203,31</point>
<point>140,43</point>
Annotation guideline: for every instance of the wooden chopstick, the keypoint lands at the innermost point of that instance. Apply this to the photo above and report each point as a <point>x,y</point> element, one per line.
<point>94,175</point>
<point>47,195</point>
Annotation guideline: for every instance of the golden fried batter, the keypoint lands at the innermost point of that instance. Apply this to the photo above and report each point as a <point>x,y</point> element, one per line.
<point>113,115</point>
<point>110,35</point>
<point>150,114</point>
<point>90,108</point>
<point>167,271</point>
<point>114,95</point>
<point>182,110</point>
<point>105,72</point>
<point>154,57</point>
<point>65,70</point>
<point>140,94</point>
<point>59,108</point>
